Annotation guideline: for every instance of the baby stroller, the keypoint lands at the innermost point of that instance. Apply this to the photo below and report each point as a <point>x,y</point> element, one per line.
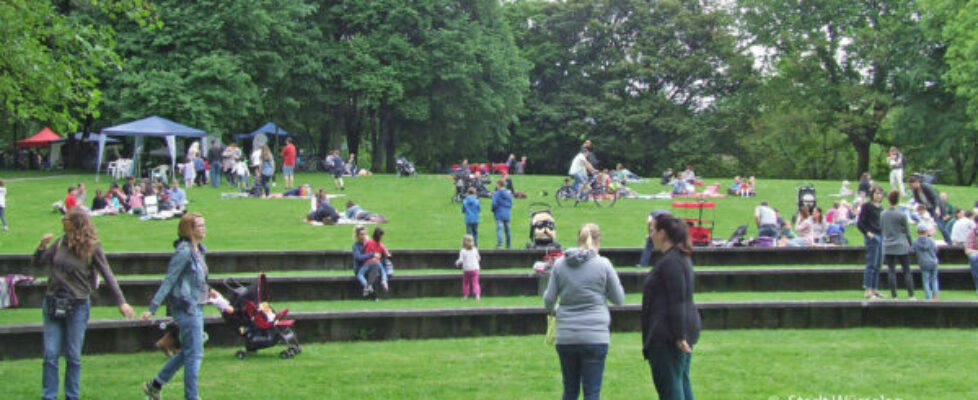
<point>257,322</point>
<point>806,197</point>
<point>405,167</point>
<point>543,233</point>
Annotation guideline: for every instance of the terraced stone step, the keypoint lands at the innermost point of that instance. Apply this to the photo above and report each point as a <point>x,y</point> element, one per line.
<point>231,262</point>
<point>25,341</point>
<point>404,285</point>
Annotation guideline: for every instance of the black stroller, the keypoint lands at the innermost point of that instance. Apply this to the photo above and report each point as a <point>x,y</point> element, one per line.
<point>405,167</point>
<point>806,197</point>
<point>257,322</point>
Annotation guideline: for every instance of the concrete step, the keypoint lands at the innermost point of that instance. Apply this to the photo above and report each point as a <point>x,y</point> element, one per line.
<point>25,341</point>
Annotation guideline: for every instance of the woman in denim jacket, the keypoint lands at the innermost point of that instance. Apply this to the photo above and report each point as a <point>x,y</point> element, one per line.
<point>185,291</point>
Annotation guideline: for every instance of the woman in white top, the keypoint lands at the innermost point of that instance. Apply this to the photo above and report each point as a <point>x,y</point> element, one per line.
<point>803,229</point>
<point>468,259</point>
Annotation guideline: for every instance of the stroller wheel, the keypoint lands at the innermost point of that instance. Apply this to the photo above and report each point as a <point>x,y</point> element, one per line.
<point>285,354</point>
<point>241,354</point>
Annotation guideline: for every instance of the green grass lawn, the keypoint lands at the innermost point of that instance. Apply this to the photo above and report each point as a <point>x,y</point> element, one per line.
<point>744,364</point>
<point>420,212</point>
<point>33,315</point>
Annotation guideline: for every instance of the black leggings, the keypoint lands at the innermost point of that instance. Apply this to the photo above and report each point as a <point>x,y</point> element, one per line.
<point>890,260</point>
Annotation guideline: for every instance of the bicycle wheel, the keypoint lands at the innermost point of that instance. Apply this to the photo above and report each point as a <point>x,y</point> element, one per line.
<point>563,194</point>
<point>602,199</point>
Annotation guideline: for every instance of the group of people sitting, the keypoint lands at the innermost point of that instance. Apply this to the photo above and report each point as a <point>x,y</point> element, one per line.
<point>130,198</point>
<point>323,213</point>
<point>743,187</point>
<point>809,227</point>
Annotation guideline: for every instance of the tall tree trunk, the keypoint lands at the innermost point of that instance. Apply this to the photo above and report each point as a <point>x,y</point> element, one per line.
<point>389,134</point>
<point>377,148</point>
<point>862,156</point>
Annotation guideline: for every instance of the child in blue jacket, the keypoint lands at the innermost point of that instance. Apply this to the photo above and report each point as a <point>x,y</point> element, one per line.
<point>471,208</point>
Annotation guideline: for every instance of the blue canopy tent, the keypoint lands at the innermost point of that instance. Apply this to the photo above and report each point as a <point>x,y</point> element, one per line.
<point>269,129</point>
<point>153,127</point>
<point>92,137</point>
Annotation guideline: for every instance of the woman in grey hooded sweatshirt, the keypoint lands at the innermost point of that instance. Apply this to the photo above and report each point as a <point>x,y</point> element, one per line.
<point>583,282</point>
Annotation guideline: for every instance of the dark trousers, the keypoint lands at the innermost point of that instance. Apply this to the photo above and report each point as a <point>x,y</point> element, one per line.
<point>670,372</point>
<point>904,259</point>
<point>201,178</point>
<point>646,253</point>
<point>582,365</point>
<point>473,229</point>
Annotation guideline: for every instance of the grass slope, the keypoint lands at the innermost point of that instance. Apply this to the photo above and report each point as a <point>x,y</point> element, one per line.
<point>744,364</point>
<point>420,212</point>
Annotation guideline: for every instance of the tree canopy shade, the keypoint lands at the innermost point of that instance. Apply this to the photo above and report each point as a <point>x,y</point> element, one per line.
<point>40,139</point>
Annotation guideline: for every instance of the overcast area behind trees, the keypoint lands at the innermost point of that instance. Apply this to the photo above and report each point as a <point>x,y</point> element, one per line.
<point>815,90</point>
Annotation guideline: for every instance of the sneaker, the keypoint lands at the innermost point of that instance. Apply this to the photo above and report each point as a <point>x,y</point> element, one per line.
<point>911,298</point>
<point>151,392</point>
<point>367,291</point>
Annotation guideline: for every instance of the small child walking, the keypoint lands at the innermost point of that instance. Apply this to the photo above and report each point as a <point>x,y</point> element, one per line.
<point>468,260</point>
<point>926,251</point>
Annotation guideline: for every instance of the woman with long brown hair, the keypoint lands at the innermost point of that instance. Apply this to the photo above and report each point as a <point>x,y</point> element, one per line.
<point>74,262</point>
<point>185,291</point>
<point>670,322</point>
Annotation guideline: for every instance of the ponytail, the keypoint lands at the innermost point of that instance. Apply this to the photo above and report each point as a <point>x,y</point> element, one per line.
<point>589,237</point>
<point>678,233</point>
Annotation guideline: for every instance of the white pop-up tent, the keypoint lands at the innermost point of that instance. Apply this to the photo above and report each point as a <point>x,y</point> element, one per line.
<point>153,127</point>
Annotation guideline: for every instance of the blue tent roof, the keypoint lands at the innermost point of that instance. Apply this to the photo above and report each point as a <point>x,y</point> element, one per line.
<point>153,126</point>
<point>269,129</point>
<point>92,137</point>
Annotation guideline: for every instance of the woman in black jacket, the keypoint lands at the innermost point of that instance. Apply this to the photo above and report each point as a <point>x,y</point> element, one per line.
<point>869,225</point>
<point>670,322</point>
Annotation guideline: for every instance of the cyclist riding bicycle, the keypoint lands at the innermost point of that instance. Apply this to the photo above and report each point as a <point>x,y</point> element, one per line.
<point>580,168</point>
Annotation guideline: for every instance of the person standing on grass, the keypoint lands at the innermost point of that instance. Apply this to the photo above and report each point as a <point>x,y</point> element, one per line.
<point>583,282</point>
<point>502,205</point>
<point>214,155</point>
<point>3,205</point>
<point>471,209</point>
<point>926,251</point>
<point>267,169</point>
<point>869,224</point>
<point>896,243</point>
<point>651,255</point>
<point>185,291</point>
<point>971,250</point>
<point>670,322</point>
<point>288,163</point>
<point>896,162</point>
<point>74,263</point>
<point>468,260</point>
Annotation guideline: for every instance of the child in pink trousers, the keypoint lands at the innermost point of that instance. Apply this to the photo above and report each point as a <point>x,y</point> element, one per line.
<point>468,260</point>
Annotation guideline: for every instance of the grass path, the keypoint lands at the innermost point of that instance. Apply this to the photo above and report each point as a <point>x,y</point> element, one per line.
<point>741,364</point>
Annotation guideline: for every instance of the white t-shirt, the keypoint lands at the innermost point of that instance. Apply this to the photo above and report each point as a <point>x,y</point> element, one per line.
<point>766,215</point>
<point>3,196</point>
<point>256,158</point>
<point>959,232</point>
<point>469,259</point>
<point>578,165</point>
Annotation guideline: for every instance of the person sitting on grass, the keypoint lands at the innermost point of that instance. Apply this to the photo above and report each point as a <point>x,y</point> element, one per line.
<point>136,201</point>
<point>323,214</point>
<point>804,229</point>
<point>355,212</point>
<point>99,203</point>
<point>178,197</point>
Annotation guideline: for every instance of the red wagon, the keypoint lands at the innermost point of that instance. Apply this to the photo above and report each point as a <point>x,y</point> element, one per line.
<point>700,230</point>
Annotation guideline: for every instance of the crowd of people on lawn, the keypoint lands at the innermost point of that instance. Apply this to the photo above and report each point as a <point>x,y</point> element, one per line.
<point>580,286</point>
<point>131,198</point>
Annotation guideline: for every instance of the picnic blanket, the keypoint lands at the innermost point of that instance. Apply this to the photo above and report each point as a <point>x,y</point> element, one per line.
<point>344,221</point>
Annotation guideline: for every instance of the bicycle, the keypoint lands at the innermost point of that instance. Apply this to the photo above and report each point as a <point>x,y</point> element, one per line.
<point>587,191</point>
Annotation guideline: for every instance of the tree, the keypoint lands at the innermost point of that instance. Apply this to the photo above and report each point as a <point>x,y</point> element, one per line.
<point>839,56</point>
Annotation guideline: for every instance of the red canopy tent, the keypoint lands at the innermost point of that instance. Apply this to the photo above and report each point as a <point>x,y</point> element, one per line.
<point>41,139</point>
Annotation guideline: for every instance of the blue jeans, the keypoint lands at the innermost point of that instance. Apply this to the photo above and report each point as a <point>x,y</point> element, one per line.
<point>643,261</point>
<point>501,226</point>
<point>578,180</point>
<point>670,372</point>
<point>931,287</point>
<point>362,273</point>
<point>874,260</point>
<point>191,323</point>
<point>473,229</point>
<point>67,334</point>
<point>216,174</point>
<point>768,230</point>
<point>973,262</point>
<point>582,365</point>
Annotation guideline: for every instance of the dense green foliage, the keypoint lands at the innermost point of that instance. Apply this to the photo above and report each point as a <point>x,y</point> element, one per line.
<point>754,87</point>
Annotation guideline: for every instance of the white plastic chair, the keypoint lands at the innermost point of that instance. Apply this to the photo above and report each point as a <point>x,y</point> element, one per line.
<point>158,174</point>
